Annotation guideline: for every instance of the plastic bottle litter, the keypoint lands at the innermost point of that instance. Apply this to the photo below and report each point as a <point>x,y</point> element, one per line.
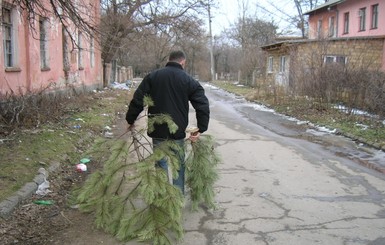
<point>85,160</point>
<point>43,202</point>
<point>77,126</point>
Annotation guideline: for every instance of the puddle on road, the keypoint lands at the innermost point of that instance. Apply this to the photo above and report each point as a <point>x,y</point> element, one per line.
<point>362,162</point>
<point>290,127</point>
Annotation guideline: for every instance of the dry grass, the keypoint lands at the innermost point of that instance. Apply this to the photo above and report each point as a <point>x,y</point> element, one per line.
<point>370,130</point>
<point>42,129</point>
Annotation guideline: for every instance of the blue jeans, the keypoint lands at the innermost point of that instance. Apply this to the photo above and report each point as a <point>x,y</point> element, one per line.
<point>179,182</point>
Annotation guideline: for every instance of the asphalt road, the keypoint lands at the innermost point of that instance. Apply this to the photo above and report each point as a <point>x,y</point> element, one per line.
<point>281,183</point>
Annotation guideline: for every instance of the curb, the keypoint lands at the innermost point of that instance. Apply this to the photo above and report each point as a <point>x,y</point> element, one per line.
<point>8,205</point>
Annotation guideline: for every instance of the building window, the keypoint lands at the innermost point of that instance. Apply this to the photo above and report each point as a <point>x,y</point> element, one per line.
<point>80,51</point>
<point>270,65</point>
<point>43,44</point>
<point>374,16</point>
<point>346,23</point>
<point>282,64</point>
<point>331,26</point>
<point>92,51</point>
<point>8,38</point>
<point>328,59</point>
<point>362,17</point>
<point>319,28</point>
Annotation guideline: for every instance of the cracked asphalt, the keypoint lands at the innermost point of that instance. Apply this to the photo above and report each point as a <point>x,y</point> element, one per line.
<point>279,184</point>
<point>278,189</point>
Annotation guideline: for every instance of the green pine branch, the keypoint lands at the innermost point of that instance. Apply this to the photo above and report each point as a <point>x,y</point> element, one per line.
<point>201,172</point>
<point>131,198</point>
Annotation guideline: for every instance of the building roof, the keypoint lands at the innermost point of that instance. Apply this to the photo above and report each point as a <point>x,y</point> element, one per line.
<point>279,45</point>
<point>329,3</point>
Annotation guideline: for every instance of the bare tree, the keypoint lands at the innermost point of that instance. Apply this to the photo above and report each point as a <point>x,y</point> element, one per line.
<point>68,12</point>
<point>295,19</point>
<point>122,18</point>
<point>251,34</point>
<point>151,46</point>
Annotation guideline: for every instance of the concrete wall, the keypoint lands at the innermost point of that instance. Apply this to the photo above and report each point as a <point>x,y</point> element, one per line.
<point>119,74</point>
<point>308,56</point>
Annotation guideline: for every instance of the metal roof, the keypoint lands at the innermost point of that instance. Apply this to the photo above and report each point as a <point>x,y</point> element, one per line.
<point>327,4</point>
<point>287,43</point>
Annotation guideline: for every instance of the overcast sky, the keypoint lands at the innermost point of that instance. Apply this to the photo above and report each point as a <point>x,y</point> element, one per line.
<point>228,11</point>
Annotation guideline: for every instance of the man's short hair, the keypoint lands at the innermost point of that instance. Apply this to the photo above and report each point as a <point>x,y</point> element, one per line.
<point>177,56</point>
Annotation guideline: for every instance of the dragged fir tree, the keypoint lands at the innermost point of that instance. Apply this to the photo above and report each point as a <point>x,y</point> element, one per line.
<point>131,198</point>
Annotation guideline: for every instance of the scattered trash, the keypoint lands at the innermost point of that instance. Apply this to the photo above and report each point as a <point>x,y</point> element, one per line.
<point>43,163</point>
<point>116,85</point>
<point>42,189</point>
<point>108,135</point>
<point>264,194</point>
<point>43,202</point>
<point>79,119</point>
<point>76,206</point>
<point>77,126</point>
<point>85,160</point>
<point>81,167</point>
<point>107,128</point>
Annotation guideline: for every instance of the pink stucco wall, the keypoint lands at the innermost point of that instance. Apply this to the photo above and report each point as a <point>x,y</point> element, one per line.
<point>323,16</point>
<point>27,74</point>
<point>353,6</point>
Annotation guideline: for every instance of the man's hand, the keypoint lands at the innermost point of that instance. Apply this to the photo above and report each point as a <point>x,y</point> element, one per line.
<point>130,128</point>
<point>194,133</point>
<point>194,136</point>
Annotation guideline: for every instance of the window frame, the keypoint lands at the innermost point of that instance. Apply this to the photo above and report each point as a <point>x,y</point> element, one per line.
<point>80,51</point>
<point>8,38</point>
<point>270,65</point>
<point>330,59</point>
<point>44,50</point>
<point>362,19</point>
<point>282,64</point>
<point>332,26</point>
<point>346,23</point>
<point>319,28</point>
<point>92,52</point>
<point>374,16</point>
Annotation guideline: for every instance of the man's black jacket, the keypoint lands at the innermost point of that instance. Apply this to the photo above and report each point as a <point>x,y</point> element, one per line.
<point>171,89</point>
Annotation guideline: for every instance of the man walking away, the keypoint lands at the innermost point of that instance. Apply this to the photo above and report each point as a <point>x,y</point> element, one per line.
<point>171,89</point>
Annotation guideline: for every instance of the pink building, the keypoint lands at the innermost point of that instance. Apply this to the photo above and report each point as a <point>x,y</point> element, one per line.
<point>339,19</point>
<point>44,54</point>
<point>348,32</point>
<point>347,18</point>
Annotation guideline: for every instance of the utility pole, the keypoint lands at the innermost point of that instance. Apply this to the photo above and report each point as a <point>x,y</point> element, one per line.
<point>211,45</point>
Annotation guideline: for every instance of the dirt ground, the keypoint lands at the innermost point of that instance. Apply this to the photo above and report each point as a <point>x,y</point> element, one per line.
<point>58,223</point>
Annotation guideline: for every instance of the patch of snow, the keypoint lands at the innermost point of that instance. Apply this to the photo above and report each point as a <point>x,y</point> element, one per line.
<point>259,107</point>
<point>210,86</point>
<point>122,86</point>
<point>354,111</point>
<point>326,130</point>
<point>362,126</point>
